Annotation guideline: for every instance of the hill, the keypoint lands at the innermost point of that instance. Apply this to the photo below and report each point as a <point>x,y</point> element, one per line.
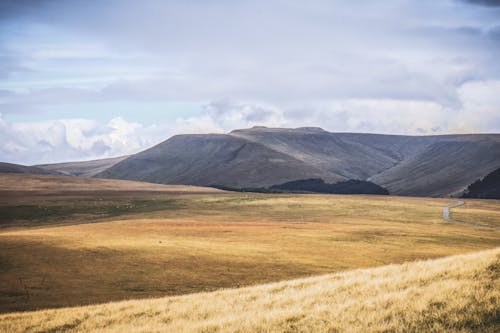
<point>453,294</point>
<point>49,184</point>
<point>258,157</point>
<point>84,168</point>
<point>486,188</point>
<point>18,168</point>
<point>214,159</point>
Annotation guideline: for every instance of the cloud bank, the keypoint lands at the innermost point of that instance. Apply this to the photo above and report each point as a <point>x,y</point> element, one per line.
<point>401,67</point>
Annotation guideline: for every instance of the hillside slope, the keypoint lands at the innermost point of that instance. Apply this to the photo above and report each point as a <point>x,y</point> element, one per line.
<point>443,168</point>
<point>355,156</point>
<point>84,168</point>
<point>214,159</point>
<point>18,168</point>
<point>260,157</point>
<point>453,294</point>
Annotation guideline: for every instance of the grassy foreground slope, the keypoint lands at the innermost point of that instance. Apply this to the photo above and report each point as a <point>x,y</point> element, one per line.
<point>453,294</point>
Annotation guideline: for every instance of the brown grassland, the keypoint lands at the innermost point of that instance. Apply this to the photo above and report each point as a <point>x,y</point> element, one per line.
<point>483,212</point>
<point>454,294</point>
<point>67,244</point>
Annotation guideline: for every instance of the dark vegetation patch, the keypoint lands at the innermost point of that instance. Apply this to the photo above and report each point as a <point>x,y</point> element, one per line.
<point>315,185</point>
<point>486,188</point>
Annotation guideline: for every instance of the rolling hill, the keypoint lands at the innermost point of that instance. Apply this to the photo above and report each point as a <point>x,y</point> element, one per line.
<point>440,165</point>
<point>84,168</point>
<point>19,168</point>
<point>453,294</point>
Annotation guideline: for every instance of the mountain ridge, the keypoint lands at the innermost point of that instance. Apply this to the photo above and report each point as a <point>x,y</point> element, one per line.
<point>433,165</point>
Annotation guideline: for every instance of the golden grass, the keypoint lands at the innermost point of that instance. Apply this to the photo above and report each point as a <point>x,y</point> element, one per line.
<point>193,243</point>
<point>483,212</point>
<point>57,184</point>
<point>454,294</point>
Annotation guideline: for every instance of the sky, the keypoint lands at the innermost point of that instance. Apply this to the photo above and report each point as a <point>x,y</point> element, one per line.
<point>83,80</point>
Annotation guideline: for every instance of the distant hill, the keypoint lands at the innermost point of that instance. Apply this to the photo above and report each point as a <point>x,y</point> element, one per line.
<point>260,157</point>
<point>215,159</point>
<point>350,186</point>
<point>18,168</point>
<point>83,169</point>
<point>439,165</point>
<point>486,188</point>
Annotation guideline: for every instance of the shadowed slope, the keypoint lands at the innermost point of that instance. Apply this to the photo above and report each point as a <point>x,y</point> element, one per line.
<point>444,168</point>
<point>454,294</point>
<point>486,188</point>
<point>341,153</point>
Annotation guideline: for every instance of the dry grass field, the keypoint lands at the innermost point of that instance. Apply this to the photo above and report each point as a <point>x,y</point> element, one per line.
<point>483,212</point>
<point>77,244</point>
<point>73,247</point>
<point>454,294</point>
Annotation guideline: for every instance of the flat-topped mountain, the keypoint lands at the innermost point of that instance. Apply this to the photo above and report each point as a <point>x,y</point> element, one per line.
<point>438,165</point>
<point>215,159</point>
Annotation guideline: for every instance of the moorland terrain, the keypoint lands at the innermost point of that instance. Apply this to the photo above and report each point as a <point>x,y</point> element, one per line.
<point>88,246</point>
<point>68,241</point>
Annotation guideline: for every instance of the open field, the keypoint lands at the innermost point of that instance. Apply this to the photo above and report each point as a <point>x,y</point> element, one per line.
<point>483,212</point>
<point>152,244</point>
<point>454,294</point>
<point>48,184</point>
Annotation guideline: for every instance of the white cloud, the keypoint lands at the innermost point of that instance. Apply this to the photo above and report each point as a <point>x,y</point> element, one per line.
<point>74,139</point>
<point>480,110</point>
<point>80,139</point>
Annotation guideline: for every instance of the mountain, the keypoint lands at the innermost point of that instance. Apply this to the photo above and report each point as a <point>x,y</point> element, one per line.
<point>18,168</point>
<point>439,165</point>
<point>486,188</point>
<point>82,169</point>
<point>215,159</point>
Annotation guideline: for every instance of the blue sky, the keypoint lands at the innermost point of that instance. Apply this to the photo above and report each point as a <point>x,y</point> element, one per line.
<point>91,79</point>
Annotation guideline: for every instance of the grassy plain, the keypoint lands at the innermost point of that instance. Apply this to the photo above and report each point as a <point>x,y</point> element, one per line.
<point>483,212</point>
<point>454,294</point>
<point>73,247</point>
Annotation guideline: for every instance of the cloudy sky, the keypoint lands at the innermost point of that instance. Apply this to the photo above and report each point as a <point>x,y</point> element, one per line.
<point>91,79</point>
